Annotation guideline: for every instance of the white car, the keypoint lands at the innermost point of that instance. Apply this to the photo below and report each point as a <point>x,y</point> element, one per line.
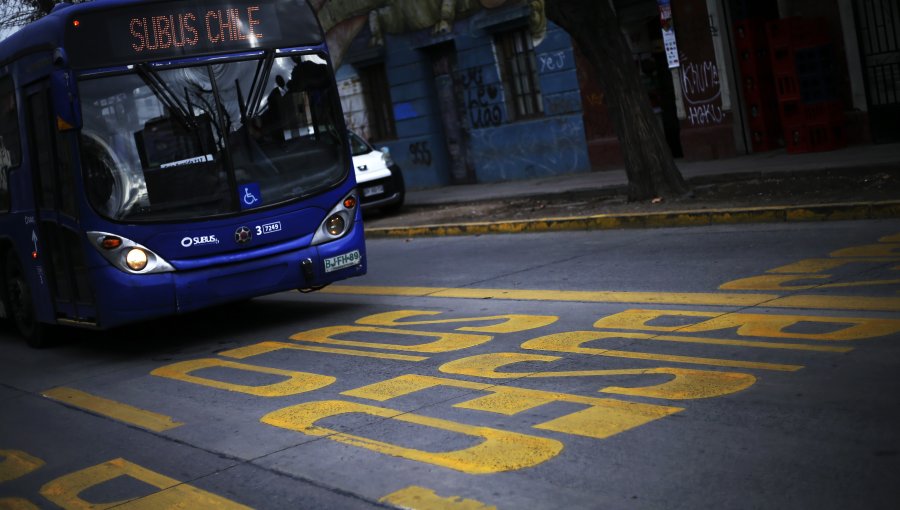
<point>379,179</point>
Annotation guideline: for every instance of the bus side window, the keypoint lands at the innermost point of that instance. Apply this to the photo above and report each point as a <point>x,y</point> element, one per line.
<point>10,148</point>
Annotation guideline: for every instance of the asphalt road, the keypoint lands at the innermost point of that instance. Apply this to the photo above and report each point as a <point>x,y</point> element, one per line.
<point>753,366</point>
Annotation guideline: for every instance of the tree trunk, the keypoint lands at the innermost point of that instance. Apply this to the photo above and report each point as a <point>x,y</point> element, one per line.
<point>649,164</point>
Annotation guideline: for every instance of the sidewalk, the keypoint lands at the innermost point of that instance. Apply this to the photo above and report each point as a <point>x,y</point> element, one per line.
<point>437,211</point>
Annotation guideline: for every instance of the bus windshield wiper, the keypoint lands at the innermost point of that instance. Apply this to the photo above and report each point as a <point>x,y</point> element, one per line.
<point>260,78</point>
<point>165,94</point>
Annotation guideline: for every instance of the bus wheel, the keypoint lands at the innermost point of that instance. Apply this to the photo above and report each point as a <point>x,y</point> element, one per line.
<point>21,307</point>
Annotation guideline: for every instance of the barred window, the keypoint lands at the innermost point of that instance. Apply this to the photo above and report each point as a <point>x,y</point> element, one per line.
<point>519,72</point>
<point>380,107</point>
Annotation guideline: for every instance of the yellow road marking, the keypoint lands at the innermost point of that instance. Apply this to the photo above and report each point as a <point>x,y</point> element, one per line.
<point>750,343</point>
<point>872,304</point>
<point>512,323</point>
<point>603,418</point>
<point>17,504</point>
<point>421,498</point>
<point>752,324</point>
<point>557,295</point>
<point>445,342</point>
<point>499,450</point>
<point>882,249</point>
<point>685,383</point>
<point>266,347</point>
<point>112,409</point>
<point>66,491</point>
<point>16,463</point>
<point>572,341</point>
<point>810,266</point>
<point>890,304</point>
<point>294,382</point>
<point>776,282</point>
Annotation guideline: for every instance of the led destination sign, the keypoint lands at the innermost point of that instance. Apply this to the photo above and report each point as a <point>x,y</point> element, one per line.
<point>165,30</point>
<point>207,29</point>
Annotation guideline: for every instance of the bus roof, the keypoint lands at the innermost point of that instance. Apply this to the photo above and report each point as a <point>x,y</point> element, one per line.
<point>106,33</point>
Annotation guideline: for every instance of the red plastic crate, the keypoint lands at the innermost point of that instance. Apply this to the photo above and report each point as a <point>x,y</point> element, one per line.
<point>797,32</point>
<point>827,137</point>
<point>796,138</point>
<point>827,112</point>
<point>814,137</point>
<point>763,123</point>
<point>765,138</point>
<point>750,33</point>
<point>758,89</point>
<point>754,61</point>
<point>762,114</point>
<point>786,86</point>
<point>791,112</point>
<point>764,141</point>
<point>762,119</point>
<point>782,58</point>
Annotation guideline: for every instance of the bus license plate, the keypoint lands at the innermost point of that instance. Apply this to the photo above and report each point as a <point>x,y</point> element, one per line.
<point>373,190</point>
<point>342,261</point>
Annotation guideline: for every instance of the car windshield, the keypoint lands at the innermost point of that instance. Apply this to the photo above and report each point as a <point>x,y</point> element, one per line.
<point>212,139</point>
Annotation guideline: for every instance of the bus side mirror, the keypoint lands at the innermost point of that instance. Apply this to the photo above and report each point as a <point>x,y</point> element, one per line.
<point>65,100</point>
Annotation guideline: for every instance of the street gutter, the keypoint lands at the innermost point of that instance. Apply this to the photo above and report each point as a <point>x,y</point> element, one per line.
<point>686,218</point>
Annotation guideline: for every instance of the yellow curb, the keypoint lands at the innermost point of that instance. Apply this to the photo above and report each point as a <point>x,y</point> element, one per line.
<point>688,218</point>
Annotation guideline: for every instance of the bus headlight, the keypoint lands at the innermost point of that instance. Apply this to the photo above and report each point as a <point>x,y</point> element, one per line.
<point>339,220</point>
<point>128,255</point>
<point>335,225</point>
<point>136,259</point>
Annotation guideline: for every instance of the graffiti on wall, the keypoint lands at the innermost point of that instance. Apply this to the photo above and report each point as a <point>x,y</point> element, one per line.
<point>482,101</point>
<point>552,61</point>
<point>520,151</point>
<point>420,154</point>
<point>702,92</point>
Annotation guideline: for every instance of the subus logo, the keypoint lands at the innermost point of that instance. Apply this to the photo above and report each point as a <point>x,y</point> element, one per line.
<point>187,242</point>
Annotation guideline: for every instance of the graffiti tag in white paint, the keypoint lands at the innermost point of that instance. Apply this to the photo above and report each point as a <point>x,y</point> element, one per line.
<point>553,61</point>
<point>702,90</point>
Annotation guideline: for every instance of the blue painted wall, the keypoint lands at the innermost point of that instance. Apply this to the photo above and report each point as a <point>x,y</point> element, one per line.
<point>419,148</point>
<point>549,145</point>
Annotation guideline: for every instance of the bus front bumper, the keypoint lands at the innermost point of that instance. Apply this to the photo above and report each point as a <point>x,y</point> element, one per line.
<point>133,298</point>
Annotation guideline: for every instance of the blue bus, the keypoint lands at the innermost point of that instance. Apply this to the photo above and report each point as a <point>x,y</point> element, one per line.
<point>160,157</point>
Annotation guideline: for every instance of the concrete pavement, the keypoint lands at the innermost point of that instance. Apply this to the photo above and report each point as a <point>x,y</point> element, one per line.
<point>853,159</point>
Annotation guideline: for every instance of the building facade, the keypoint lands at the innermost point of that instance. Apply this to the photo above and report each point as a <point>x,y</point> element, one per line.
<point>488,90</point>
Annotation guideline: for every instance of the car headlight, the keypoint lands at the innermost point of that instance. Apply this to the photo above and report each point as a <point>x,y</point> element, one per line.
<point>338,221</point>
<point>128,255</point>
<point>386,157</point>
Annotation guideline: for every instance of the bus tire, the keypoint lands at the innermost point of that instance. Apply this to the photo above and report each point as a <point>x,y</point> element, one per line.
<point>21,305</point>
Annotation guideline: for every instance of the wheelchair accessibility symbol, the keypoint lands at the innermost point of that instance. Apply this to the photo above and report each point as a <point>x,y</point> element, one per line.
<point>249,195</point>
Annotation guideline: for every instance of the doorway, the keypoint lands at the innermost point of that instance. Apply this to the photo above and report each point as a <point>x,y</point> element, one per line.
<point>452,108</point>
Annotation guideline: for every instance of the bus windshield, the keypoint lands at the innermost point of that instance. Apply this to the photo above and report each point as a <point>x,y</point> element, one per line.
<point>188,142</point>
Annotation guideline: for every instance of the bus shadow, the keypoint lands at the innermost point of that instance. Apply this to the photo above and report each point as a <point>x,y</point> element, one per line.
<point>203,332</point>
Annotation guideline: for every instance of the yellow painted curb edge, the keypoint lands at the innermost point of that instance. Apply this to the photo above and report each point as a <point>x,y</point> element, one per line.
<point>687,218</point>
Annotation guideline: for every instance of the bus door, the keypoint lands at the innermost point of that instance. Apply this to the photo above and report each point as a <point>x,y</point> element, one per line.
<point>60,246</point>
